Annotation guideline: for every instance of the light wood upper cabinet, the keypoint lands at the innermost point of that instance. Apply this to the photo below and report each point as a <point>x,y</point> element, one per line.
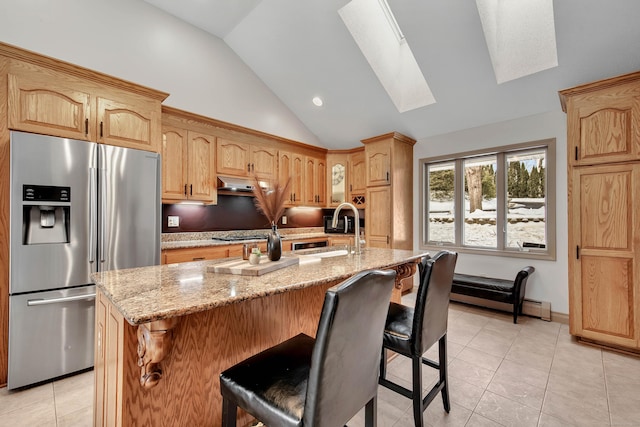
<point>188,165</point>
<point>44,107</point>
<point>131,123</point>
<point>357,179</point>
<point>72,108</point>
<point>291,165</point>
<point>603,140</point>
<point>603,126</point>
<point>243,159</point>
<point>233,158</point>
<point>315,181</point>
<point>337,178</point>
<point>378,163</point>
<point>200,171</point>
<point>264,162</point>
<point>174,163</point>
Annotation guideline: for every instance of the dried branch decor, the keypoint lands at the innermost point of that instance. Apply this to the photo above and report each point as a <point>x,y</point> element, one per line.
<point>271,201</point>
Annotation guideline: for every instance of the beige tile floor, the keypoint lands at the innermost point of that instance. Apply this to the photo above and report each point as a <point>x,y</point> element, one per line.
<point>500,374</point>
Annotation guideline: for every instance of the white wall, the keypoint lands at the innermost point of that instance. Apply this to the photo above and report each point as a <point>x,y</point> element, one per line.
<point>135,41</point>
<point>549,282</point>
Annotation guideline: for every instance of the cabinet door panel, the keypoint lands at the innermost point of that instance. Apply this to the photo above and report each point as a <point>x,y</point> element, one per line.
<point>321,182</point>
<point>127,124</point>
<point>297,177</point>
<point>605,219</point>
<point>357,175</point>
<point>174,163</point>
<point>605,127</point>
<point>378,164</point>
<point>605,209</point>
<point>200,169</point>
<point>286,170</point>
<point>233,158</point>
<point>264,163</point>
<point>43,107</point>
<point>378,218</point>
<point>608,298</point>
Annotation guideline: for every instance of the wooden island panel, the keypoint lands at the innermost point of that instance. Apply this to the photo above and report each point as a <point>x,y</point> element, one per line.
<point>205,344</point>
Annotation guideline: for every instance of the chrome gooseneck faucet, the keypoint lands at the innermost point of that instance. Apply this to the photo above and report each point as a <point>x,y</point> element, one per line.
<point>334,223</point>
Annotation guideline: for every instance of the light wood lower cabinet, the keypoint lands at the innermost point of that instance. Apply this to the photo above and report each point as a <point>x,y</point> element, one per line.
<point>108,365</point>
<point>378,217</point>
<point>171,256</point>
<point>341,241</point>
<point>604,290</point>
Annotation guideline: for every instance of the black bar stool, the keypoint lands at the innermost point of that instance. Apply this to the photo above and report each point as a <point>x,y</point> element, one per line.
<point>412,331</point>
<point>321,382</point>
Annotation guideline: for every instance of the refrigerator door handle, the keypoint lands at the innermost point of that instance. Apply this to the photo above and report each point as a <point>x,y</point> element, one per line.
<point>93,214</point>
<point>103,203</point>
<point>34,302</point>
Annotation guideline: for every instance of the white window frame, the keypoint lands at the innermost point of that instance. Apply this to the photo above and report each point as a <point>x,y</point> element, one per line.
<point>548,253</point>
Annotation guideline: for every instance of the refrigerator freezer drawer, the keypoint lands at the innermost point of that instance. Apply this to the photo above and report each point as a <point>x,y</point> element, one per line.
<point>50,334</point>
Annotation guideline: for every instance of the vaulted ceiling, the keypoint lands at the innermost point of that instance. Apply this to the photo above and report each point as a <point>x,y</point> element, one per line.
<point>302,49</point>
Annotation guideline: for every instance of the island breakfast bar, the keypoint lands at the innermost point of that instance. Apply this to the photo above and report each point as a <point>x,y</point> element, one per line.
<point>164,333</point>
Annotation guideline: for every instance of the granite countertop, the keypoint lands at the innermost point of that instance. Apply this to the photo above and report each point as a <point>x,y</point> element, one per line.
<point>161,292</point>
<point>199,240</point>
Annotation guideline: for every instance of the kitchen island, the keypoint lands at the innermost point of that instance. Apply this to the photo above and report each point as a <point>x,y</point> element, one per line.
<point>164,333</point>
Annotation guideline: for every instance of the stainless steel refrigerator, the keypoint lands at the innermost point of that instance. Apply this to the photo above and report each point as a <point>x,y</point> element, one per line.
<point>77,207</point>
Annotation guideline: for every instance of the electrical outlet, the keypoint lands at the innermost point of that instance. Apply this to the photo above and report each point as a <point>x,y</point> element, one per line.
<point>173,221</point>
<point>284,220</point>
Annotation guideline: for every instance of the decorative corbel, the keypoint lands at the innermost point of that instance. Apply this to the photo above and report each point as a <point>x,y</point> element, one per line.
<point>155,340</point>
<point>403,271</point>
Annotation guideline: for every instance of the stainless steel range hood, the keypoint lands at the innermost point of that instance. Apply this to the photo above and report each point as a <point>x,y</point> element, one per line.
<point>233,183</point>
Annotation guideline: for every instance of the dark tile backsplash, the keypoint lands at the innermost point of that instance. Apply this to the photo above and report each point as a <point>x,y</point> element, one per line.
<point>234,213</point>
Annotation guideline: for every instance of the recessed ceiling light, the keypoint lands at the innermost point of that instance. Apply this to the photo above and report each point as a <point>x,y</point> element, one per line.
<point>317,101</point>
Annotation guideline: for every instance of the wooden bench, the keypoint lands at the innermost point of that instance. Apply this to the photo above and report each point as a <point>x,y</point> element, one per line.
<point>500,290</point>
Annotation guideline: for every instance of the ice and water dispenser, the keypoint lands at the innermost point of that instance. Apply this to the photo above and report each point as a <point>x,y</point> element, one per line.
<point>45,214</point>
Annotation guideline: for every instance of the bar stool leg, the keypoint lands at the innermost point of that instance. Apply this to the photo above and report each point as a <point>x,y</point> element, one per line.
<point>229,413</point>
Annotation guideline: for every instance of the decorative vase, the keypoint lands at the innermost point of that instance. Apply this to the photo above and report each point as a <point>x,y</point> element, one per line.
<point>274,244</point>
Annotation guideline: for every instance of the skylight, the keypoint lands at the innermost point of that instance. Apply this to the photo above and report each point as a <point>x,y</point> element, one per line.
<point>377,34</point>
<point>520,36</point>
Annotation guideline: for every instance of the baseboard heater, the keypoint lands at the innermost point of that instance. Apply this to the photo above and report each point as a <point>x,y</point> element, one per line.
<point>541,309</point>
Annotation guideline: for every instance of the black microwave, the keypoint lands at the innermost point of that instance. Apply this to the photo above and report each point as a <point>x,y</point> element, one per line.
<point>346,225</point>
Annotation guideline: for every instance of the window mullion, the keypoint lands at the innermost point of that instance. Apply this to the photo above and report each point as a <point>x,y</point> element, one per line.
<point>459,201</point>
<point>501,202</point>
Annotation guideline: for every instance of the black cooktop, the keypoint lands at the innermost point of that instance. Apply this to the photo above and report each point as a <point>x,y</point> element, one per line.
<point>236,238</point>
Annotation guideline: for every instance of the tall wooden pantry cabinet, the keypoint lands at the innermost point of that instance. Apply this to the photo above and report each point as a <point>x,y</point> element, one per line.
<point>603,141</point>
